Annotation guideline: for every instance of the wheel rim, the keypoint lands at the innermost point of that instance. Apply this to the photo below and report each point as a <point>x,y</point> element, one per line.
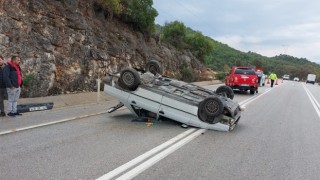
<point>212,107</point>
<point>128,78</point>
<point>153,69</point>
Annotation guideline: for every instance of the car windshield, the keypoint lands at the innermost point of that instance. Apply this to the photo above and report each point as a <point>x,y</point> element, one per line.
<point>244,71</point>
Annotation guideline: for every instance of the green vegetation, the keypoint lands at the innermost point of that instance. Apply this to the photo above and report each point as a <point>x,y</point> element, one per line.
<point>199,45</point>
<point>221,76</point>
<point>27,80</point>
<point>177,34</point>
<point>138,13</point>
<point>187,74</point>
<point>113,7</point>
<point>220,57</point>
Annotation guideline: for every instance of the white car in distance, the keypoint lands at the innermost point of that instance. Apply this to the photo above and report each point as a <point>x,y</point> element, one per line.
<point>286,77</point>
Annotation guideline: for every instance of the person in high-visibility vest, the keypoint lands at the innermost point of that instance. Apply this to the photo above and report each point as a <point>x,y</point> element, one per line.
<point>272,77</point>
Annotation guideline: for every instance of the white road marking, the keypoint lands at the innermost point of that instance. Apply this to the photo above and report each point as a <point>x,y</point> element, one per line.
<point>144,156</point>
<point>313,100</point>
<point>50,123</point>
<point>250,100</point>
<point>137,170</point>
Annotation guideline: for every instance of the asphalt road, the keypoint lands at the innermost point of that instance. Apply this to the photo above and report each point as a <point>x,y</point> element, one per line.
<point>276,138</point>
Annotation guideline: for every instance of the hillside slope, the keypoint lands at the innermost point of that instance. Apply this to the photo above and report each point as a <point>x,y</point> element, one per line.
<point>222,55</point>
<point>65,45</point>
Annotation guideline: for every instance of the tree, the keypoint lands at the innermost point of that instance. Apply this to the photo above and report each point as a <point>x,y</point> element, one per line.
<point>200,45</point>
<point>174,33</point>
<point>113,7</point>
<point>226,68</point>
<point>187,74</point>
<point>238,63</point>
<point>140,14</point>
<point>257,63</point>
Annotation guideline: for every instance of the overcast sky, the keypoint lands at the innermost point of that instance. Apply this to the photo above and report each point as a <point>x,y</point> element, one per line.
<point>269,27</point>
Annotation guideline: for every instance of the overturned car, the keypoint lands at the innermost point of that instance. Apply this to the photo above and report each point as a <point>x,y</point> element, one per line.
<point>146,92</point>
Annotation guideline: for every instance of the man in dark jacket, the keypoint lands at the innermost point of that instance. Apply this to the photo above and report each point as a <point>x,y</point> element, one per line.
<point>3,90</point>
<point>13,78</point>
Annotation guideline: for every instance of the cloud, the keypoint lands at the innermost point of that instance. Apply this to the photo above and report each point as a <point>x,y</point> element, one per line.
<point>265,27</point>
<point>177,10</point>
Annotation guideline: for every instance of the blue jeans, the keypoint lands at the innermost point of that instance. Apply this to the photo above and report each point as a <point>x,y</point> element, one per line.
<point>13,96</point>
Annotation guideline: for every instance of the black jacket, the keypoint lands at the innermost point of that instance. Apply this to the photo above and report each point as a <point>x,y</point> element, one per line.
<point>10,76</point>
<point>2,82</point>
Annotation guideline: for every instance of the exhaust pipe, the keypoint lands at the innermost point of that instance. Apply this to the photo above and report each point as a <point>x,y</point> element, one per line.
<point>114,108</point>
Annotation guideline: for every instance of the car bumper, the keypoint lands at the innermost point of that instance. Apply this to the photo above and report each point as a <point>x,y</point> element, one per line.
<point>244,87</point>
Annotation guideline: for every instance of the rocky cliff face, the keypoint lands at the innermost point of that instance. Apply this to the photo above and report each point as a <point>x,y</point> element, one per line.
<point>65,45</point>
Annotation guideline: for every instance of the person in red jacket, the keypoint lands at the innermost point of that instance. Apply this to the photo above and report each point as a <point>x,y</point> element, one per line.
<point>13,79</point>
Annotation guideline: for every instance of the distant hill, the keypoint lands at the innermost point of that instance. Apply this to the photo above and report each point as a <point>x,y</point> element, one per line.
<point>220,57</point>
<point>223,55</point>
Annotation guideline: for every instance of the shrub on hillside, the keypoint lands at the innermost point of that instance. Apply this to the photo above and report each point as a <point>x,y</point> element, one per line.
<point>27,80</point>
<point>174,33</point>
<point>221,76</point>
<point>199,45</point>
<point>187,74</point>
<point>177,34</point>
<point>113,7</point>
<point>138,13</point>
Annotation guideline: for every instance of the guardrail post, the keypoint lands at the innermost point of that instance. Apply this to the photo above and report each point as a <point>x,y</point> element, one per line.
<point>98,90</point>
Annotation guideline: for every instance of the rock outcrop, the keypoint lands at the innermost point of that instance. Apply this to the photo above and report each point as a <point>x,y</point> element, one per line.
<point>65,45</point>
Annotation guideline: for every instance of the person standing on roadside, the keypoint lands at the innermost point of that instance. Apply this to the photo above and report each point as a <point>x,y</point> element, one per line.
<point>272,77</point>
<point>3,90</point>
<point>13,79</point>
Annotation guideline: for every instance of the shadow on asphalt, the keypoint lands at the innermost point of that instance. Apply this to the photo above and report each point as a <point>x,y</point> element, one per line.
<point>128,117</point>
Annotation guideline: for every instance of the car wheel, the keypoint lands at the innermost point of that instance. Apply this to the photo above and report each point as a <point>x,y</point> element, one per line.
<point>154,67</point>
<point>252,91</point>
<point>107,79</point>
<point>210,108</point>
<point>225,90</point>
<point>129,79</point>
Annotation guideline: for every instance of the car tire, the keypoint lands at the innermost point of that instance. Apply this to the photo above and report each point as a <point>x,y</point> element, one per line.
<point>227,90</point>
<point>252,91</point>
<point>129,79</point>
<point>154,67</point>
<point>210,108</point>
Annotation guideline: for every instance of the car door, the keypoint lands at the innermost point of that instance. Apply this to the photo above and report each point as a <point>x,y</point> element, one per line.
<point>145,99</point>
<point>176,110</point>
